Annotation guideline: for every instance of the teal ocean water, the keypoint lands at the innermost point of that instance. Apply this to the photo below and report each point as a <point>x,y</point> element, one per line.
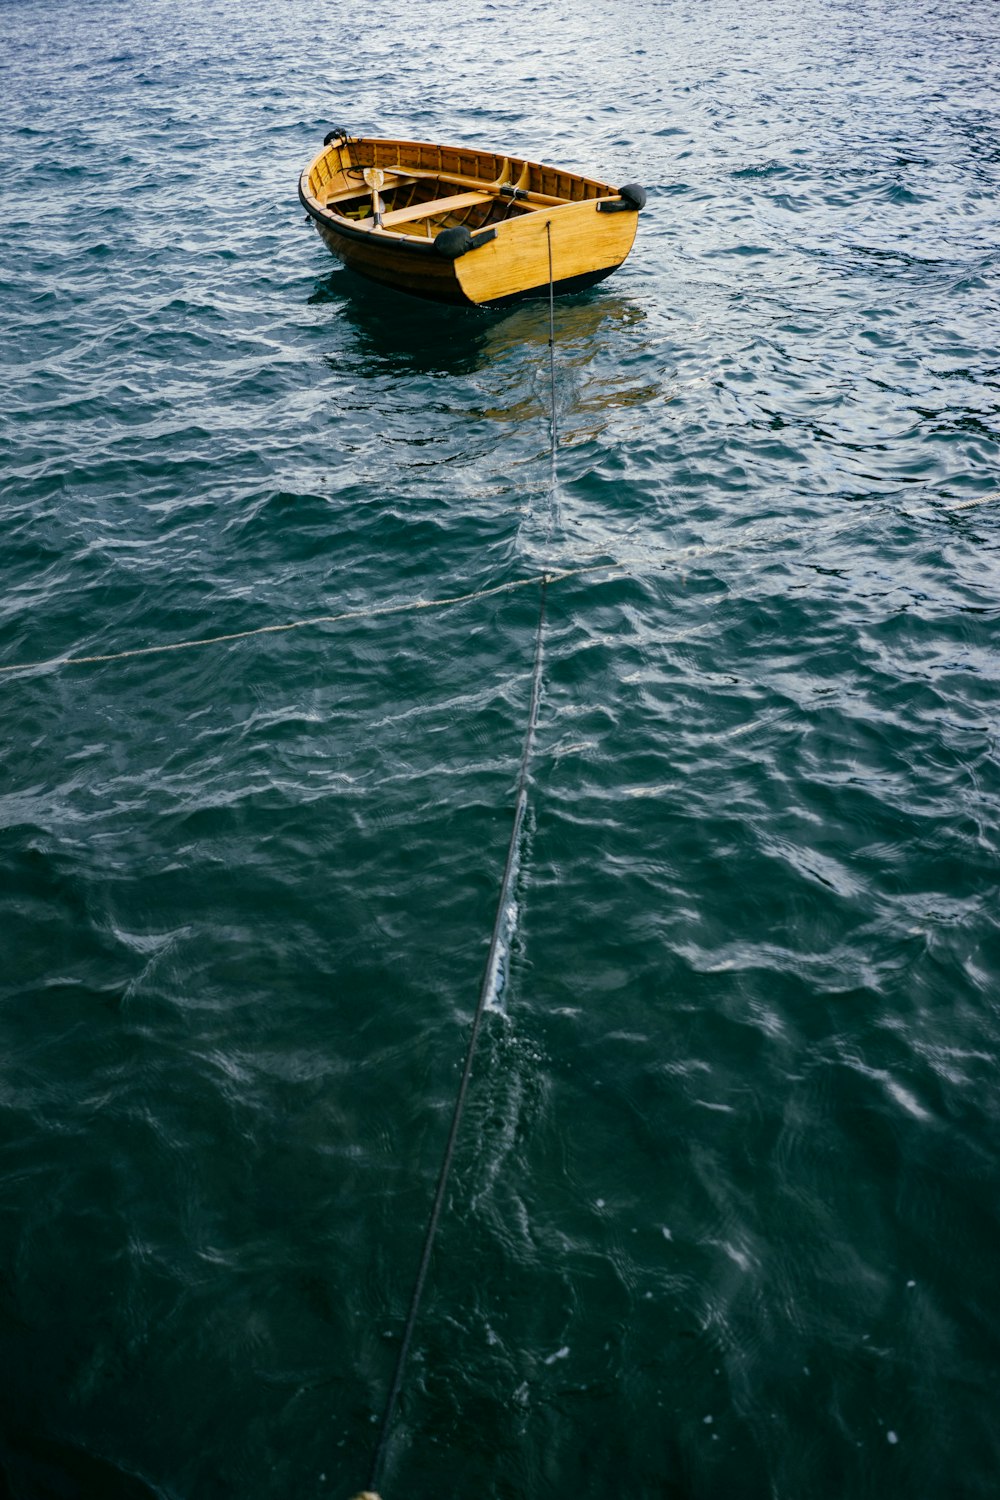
<point>725,1214</point>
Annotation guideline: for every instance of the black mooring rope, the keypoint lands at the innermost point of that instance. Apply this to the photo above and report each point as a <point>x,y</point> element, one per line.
<point>489,973</point>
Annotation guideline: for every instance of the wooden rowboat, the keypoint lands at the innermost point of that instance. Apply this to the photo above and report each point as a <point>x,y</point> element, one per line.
<point>465,226</point>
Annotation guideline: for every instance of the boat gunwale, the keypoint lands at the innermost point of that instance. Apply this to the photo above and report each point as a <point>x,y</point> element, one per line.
<point>344,139</point>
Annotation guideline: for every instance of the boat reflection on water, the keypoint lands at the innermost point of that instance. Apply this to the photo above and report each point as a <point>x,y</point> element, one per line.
<point>401,335</point>
<point>599,339</point>
<point>599,333</point>
<point>486,373</point>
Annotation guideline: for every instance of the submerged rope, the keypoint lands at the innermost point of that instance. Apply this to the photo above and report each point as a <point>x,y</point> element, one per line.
<point>492,958</point>
<point>968,504</point>
<point>372,611</point>
<point>660,559</point>
<point>485,990</point>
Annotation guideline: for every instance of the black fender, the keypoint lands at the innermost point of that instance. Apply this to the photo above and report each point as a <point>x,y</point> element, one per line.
<point>631,198</point>
<point>451,243</point>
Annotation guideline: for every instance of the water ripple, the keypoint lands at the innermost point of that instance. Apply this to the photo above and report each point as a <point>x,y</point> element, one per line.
<point>723,1219</point>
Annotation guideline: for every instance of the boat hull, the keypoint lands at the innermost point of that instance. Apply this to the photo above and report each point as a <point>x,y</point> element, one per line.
<point>527,223</point>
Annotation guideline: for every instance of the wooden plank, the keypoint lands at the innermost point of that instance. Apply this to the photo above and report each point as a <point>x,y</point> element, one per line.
<point>385,259</point>
<point>435,207</point>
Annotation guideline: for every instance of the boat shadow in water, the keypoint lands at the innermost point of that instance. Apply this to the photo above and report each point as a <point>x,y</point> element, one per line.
<point>37,1468</point>
<point>406,336</point>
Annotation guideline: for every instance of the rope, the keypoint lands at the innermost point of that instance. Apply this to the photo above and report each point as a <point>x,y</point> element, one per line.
<point>552,362</point>
<point>372,611</point>
<point>492,958</point>
<point>645,560</point>
<point>968,504</point>
<point>485,990</point>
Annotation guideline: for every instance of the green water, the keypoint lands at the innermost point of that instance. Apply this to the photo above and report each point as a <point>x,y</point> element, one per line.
<point>724,1214</point>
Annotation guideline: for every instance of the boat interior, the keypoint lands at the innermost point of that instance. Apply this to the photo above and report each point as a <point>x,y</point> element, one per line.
<point>421,203</point>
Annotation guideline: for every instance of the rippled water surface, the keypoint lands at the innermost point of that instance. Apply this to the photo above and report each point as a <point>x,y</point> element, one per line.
<point>724,1216</point>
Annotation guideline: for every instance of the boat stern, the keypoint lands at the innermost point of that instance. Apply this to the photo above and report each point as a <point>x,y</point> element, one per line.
<point>577,244</point>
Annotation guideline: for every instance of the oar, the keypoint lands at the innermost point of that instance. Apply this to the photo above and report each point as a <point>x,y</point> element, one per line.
<point>374,177</point>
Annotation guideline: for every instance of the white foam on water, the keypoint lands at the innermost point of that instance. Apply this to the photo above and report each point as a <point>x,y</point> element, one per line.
<point>499,975</point>
<point>496,984</point>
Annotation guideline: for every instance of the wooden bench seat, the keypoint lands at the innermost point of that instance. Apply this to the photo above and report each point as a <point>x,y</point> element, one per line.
<point>432,209</point>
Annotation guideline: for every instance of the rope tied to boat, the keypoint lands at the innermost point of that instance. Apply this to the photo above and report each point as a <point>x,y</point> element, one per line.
<point>553,436</point>
<point>489,979</point>
<point>486,989</point>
